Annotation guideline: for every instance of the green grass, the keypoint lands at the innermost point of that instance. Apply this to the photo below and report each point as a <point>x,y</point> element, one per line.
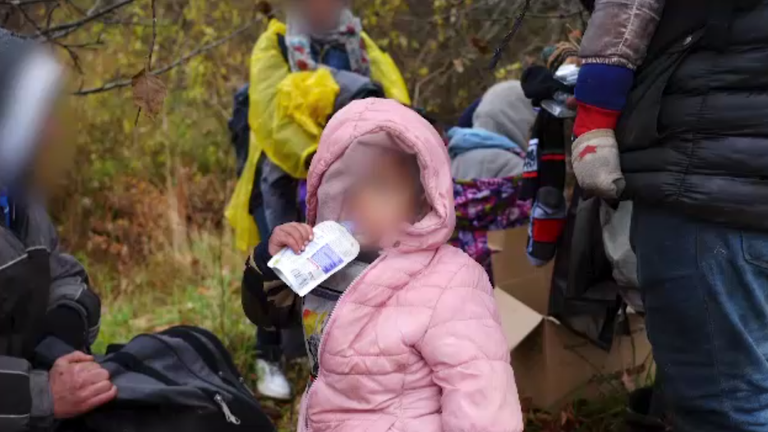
<point>201,286</point>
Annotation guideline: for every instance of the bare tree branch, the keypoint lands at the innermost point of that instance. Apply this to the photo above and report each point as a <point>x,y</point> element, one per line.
<point>125,82</point>
<point>508,37</point>
<point>62,30</point>
<point>72,54</point>
<point>151,51</point>
<point>25,2</point>
<point>154,36</point>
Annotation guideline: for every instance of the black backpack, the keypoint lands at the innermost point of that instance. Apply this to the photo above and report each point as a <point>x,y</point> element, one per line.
<point>239,129</point>
<point>182,379</point>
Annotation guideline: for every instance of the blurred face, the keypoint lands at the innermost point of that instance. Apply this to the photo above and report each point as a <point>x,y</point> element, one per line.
<point>54,154</point>
<point>321,15</point>
<point>387,196</point>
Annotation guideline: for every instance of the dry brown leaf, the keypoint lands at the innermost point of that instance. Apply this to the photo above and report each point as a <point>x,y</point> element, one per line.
<point>149,93</point>
<point>265,8</point>
<point>480,44</point>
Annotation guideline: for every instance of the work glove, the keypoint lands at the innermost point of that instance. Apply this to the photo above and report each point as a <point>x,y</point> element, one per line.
<point>595,157</point>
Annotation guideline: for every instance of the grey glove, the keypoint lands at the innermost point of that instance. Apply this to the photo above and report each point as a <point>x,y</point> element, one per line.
<point>596,164</point>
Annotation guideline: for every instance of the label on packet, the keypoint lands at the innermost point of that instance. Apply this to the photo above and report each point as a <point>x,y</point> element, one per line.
<point>332,248</point>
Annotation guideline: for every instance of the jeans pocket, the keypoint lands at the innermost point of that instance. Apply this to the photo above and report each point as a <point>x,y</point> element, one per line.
<point>755,248</point>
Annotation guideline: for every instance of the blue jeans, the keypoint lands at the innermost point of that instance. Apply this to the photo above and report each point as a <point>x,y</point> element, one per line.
<point>705,290</point>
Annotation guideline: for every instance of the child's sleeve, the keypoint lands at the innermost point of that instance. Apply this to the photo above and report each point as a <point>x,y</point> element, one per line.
<point>469,355</point>
<point>267,301</point>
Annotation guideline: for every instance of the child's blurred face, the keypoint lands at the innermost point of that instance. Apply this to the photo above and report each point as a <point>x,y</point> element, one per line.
<point>386,196</point>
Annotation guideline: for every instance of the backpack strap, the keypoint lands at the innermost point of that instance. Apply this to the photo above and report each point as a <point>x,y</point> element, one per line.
<point>198,345</point>
<point>190,334</point>
<point>130,362</point>
<point>283,46</point>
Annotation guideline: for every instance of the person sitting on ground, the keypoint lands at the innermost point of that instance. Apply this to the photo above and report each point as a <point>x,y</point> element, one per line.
<point>300,75</point>
<point>45,295</point>
<point>412,321</point>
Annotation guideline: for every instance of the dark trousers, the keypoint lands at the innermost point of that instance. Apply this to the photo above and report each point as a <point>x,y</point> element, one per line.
<point>705,290</point>
<point>279,206</point>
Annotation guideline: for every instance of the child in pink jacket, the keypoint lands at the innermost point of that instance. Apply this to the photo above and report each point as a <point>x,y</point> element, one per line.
<point>406,338</point>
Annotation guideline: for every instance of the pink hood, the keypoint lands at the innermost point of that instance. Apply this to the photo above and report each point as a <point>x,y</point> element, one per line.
<point>364,122</point>
<point>415,344</point>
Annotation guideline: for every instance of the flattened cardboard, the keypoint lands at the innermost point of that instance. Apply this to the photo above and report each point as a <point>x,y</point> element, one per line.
<point>517,319</point>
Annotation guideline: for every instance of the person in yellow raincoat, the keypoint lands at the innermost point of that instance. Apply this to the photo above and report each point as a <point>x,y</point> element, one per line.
<point>301,73</point>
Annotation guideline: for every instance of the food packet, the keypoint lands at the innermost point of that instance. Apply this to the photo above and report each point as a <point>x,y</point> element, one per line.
<point>568,74</point>
<point>332,248</point>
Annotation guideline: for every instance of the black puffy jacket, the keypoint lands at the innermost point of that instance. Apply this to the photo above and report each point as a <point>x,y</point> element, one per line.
<point>694,134</point>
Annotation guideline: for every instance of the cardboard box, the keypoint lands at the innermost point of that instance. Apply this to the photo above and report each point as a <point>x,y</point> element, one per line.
<point>513,273</point>
<point>553,365</point>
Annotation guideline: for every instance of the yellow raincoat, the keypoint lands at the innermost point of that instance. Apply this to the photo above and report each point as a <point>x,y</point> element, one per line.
<point>287,114</point>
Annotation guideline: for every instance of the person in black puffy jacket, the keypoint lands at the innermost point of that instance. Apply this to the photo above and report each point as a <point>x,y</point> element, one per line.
<point>673,97</point>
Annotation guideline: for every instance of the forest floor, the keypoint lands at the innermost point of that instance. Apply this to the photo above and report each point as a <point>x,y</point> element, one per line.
<point>201,286</point>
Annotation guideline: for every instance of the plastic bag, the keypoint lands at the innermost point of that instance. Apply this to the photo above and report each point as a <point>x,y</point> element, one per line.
<point>617,224</point>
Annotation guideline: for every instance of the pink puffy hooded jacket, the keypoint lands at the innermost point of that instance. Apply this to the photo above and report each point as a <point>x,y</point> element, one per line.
<point>415,344</point>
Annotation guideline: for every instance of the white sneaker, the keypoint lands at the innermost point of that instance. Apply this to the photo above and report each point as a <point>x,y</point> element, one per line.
<point>272,382</point>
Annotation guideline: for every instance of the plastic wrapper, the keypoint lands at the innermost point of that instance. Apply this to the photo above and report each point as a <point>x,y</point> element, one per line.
<point>332,249</point>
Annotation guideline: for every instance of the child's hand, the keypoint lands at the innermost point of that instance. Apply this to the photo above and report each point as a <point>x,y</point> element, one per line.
<point>293,235</point>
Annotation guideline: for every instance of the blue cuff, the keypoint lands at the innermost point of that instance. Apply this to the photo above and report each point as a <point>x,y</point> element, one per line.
<point>604,86</point>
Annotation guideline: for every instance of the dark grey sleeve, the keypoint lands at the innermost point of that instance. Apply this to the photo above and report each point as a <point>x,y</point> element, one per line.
<point>70,287</point>
<point>352,87</point>
<point>26,402</point>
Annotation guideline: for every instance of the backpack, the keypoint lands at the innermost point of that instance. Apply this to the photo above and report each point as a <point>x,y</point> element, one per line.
<point>239,129</point>
<point>182,379</point>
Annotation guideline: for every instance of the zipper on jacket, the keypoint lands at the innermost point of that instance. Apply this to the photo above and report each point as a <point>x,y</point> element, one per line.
<point>225,408</point>
<point>324,337</point>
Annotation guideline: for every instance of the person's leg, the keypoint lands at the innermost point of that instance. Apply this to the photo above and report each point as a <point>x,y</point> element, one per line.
<point>278,207</point>
<point>271,379</point>
<point>268,345</point>
<point>705,290</point>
